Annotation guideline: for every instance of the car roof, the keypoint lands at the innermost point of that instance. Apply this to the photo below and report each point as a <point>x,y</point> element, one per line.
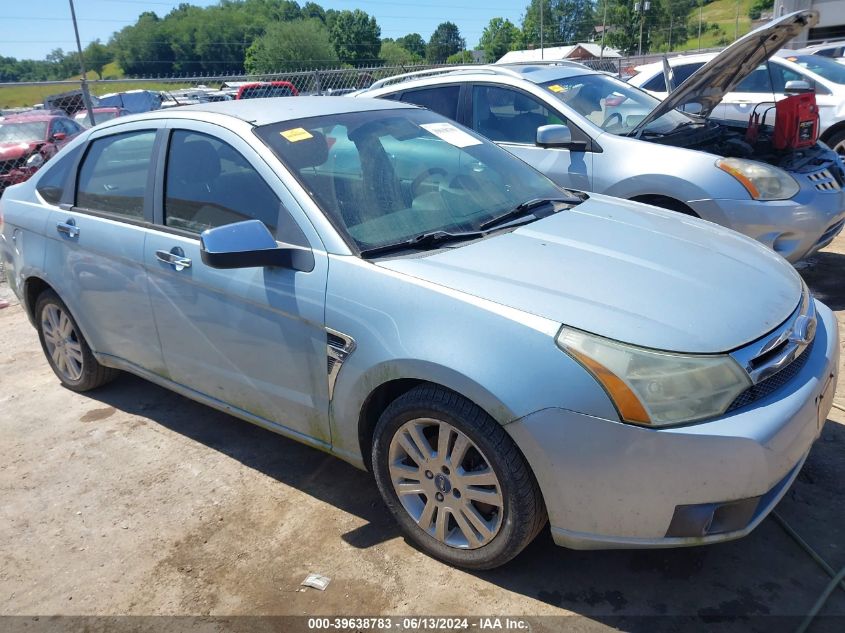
<point>536,72</point>
<point>274,109</point>
<point>540,74</point>
<point>677,59</point>
<point>99,109</point>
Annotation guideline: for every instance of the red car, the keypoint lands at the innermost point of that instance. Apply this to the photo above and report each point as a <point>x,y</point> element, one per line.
<point>28,141</point>
<point>100,114</point>
<point>261,89</point>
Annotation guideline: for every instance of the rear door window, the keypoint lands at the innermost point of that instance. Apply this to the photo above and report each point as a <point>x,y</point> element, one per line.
<point>51,184</point>
<point>681,73</point>
<point>440,99</point>
<point>113,176</point>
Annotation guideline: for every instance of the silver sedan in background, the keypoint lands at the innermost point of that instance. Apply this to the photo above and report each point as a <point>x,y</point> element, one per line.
<point>590,131</point>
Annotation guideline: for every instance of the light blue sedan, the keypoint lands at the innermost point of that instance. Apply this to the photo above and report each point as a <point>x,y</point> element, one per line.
<point>377,282</point>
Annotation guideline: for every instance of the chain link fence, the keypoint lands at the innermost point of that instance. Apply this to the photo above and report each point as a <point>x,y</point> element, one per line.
<point>37,119</point>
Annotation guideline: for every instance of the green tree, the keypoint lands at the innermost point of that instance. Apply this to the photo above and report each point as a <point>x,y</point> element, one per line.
<point>356,36</point>
<point>395,55</point>
<point>758,6</point>
<point>564,22</point>
<point>96,57</point>
<point>461,57</point>
<point>291,46</point>
<point>313,10</point>
<point>268,11</point>
<point>446,40</point>
<point>664,25</point>
<point>499,36</point>
<point>141,48</point>
<point>414,43</point>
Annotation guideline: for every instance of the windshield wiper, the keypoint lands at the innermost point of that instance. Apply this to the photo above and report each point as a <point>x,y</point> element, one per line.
<point>525,208</point>
<point>421,242</point>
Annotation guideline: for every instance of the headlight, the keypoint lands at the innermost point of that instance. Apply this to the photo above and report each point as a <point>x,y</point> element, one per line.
<point>657,388</point>
<point>762,181</point>
<point>36,160</point>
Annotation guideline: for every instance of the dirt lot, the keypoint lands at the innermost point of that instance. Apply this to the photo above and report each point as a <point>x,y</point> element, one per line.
<point>133,500</point>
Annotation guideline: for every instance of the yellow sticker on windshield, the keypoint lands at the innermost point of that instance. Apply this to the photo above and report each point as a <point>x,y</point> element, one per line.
<point>297,134</point>
<point>557,88</point>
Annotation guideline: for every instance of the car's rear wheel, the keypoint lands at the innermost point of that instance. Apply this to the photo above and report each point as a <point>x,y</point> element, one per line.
<point>836,142</point>
<point>454,480</point>
<point>66,349</point>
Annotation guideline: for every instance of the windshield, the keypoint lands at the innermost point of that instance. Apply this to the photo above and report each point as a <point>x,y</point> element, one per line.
<point>822,66</point>
<point>23,132</point>
<point>612,104</point>
<point>386,176</point>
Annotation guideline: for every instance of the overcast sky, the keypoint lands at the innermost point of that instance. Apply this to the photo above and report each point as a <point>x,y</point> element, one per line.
<point>31,29</point>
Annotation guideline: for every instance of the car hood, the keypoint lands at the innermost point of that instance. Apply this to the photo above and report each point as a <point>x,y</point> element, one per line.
<point>626,271</point>
<point>17,149</point>
<point>709,84</point>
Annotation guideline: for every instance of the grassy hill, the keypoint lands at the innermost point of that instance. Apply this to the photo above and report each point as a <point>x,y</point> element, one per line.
<point>719,18</point>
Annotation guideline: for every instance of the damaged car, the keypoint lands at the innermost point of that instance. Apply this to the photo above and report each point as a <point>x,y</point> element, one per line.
<point>588,130</point>
<point>27,141</point>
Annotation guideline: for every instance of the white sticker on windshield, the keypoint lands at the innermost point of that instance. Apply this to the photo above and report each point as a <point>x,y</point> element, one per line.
<point>451,134</point>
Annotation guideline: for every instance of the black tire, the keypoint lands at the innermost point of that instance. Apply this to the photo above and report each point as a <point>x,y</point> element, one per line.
<point>670,204</point>
<point>92,374</point>
<point>523,513</point>
<point>835,139</point>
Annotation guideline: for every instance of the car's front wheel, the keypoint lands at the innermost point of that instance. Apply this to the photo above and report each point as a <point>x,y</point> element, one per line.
<point>66,349</point>
<point>836,142</point>
<point>454,480</point>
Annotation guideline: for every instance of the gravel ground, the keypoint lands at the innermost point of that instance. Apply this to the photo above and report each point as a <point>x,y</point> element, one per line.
<point>133,500</point>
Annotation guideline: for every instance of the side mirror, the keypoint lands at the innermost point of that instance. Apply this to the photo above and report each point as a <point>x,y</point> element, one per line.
<point>554,136</point>
<point>797,87</point>
<point>59,136</point>
<point>250,244</point>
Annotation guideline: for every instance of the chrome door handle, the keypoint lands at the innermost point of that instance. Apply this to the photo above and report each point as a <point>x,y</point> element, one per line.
<point>176,258</point>
<point>68,228</point>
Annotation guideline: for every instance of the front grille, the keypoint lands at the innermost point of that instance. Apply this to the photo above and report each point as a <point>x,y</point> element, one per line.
<point>824,180</point>
<point>772,383</point>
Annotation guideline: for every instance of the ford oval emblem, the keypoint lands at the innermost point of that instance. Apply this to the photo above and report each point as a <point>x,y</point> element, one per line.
<point>803,330</point>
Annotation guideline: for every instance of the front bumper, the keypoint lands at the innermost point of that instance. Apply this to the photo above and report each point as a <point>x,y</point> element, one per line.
<point>613,485</point>
<point>794,228</point>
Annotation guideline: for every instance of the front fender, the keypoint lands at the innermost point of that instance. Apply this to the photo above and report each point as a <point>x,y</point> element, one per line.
<point>653,169</point>
<point>504,360</point>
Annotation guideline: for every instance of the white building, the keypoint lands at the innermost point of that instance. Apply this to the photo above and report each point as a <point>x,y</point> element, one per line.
<point>574,52</point>
<point>831,24</point>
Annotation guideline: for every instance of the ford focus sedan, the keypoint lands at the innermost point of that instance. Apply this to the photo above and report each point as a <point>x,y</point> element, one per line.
<point>375,281</point>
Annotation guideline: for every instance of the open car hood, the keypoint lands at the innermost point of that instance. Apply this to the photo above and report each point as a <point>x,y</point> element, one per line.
<point>709,84</point>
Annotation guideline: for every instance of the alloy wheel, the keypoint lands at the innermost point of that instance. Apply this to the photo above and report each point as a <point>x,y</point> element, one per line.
<point>62,342</point>
<point>445,483</point>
